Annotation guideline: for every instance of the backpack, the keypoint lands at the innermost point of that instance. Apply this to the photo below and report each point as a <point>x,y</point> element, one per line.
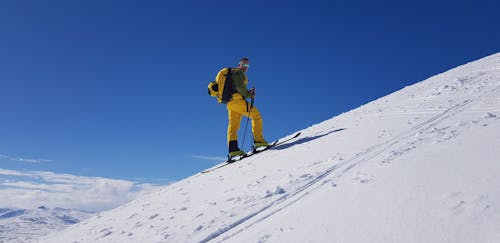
<point>222,87</point>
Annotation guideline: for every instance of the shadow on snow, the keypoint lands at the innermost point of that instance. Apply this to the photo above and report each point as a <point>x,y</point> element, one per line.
<point>305,140</point>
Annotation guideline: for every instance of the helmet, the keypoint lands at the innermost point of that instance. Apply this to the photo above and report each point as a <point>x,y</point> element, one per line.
<point>213,89</point>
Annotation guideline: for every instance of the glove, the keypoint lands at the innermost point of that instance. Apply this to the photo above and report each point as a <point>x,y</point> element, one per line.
<point>252,92</point>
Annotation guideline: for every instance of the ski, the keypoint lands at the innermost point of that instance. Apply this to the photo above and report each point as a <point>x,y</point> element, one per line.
<point>251,153</point>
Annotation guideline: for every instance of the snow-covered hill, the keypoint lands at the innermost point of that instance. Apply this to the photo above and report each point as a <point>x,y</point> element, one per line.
<point>22,225</point>
<point>419,165</point>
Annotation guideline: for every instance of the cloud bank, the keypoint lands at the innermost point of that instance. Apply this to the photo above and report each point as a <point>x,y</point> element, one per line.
<point>30,189</point>
<point>19,159</point>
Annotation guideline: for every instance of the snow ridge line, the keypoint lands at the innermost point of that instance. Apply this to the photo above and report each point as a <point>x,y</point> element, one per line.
<point>357,159</point>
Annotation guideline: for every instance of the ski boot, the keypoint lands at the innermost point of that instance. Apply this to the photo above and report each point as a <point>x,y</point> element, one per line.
<point>236,155</point>
<point>259,146</point>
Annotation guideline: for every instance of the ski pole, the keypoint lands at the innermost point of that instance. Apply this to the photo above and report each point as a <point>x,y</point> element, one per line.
<point>246,125</point>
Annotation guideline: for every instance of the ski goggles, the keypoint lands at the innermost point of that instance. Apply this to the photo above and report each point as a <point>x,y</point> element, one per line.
<point>245,65</point>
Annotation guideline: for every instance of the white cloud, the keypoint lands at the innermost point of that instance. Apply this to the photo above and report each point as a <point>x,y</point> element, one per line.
<point>18,159</point>
<point>10,172</point>
<point>20,189</point>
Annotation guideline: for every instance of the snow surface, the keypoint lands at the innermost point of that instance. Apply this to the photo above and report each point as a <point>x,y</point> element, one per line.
<point>23,225</point>
<point>419,165</point>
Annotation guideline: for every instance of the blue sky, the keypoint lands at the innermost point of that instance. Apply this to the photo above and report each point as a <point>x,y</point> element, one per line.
<point>117,89</point>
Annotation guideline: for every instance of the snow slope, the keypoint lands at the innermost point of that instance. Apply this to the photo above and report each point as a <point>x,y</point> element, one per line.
<point>419,165</point>
<point>22,225</point>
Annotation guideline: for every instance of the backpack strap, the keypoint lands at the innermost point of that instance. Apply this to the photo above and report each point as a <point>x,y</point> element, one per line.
<point>227,93</point>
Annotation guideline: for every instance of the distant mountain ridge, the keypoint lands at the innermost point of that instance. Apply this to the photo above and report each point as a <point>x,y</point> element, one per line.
<point>23,225</point>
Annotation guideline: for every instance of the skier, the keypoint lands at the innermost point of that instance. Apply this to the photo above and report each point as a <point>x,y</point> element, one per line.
<point>238,106</point>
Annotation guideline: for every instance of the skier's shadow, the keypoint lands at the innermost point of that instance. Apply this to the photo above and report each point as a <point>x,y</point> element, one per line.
<point>305,140</point>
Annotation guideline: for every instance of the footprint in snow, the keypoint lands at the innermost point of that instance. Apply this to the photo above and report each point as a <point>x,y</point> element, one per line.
<point>363,178</point>
<point>329,181</point>
<point>264,238</point>
<point>482,203</point>
<point>106,232</point>
<point>384,134</point>
<point>457,203</point>
<point>492,115</point>
<point>235,199</point>
<point>489,116</point>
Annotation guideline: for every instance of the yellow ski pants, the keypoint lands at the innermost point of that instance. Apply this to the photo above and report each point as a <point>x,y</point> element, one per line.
<point>238,107</point>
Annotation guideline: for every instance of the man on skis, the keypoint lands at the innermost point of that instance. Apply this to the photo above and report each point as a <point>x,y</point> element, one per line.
<point>238,106</point>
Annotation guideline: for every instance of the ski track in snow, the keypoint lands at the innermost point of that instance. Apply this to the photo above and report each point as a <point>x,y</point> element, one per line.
<point>437,110</point>
<point>359,158</point>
